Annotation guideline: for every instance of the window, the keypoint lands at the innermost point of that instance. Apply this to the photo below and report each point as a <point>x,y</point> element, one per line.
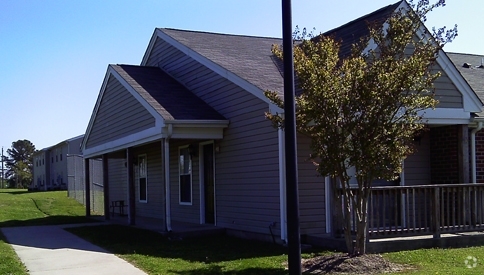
<point>61,156</point>
<point>56,158</point>
<point>142,179</point>
<point>185,164</point>
<point>43,162</point>
<point>52,159</point>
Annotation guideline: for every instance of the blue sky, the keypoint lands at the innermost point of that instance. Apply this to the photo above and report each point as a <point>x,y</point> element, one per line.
<point>54,53</point>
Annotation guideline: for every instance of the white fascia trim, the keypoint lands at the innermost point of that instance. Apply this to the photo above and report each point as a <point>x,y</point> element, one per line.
<point>135,139</point>
<point>95,110</point>
<point>445,116</point>
<point>150,48</point>
<point>211,65</point>
<point>159,122</point>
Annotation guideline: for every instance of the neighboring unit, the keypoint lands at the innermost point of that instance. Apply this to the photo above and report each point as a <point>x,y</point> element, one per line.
<point>50,164</point>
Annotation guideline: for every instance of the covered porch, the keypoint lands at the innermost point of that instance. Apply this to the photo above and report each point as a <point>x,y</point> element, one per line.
<point>413,217</point>
<point>156,141</point>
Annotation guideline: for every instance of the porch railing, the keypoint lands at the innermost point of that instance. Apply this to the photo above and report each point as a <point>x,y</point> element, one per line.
<point>424,210</point>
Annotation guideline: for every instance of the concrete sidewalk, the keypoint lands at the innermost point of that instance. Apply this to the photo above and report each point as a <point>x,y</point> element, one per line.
<point>52,250</point>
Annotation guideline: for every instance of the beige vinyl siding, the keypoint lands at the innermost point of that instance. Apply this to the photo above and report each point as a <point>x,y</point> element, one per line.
<point>119,115</point>
<point>417,165</point>
<point>153,208</point>
<point>246,167</point>
<point>312,204</point>
<point>183,212</point>
<point>446,92</point>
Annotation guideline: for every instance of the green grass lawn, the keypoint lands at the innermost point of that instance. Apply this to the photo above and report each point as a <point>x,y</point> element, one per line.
<point>18,207</point>
<point>442,261</point>
<point>156,254</point>
<point>9,263</point>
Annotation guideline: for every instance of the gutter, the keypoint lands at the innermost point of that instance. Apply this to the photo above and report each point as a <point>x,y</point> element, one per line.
<point>166,159</point>
<point>473,151</point>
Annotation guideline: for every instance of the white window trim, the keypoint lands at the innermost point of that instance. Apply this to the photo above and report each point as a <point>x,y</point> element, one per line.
<point>146,177</point>
<point>191,178</point>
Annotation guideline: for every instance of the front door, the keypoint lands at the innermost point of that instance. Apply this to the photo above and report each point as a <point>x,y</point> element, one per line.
<point>209,183</point>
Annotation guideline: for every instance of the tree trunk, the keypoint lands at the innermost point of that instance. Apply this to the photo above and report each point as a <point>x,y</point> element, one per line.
<point>361,210</point>
<point>347,221</point>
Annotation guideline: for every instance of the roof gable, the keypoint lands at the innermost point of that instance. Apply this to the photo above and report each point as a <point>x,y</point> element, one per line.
<point>351,32</point>
<point>152,99</point>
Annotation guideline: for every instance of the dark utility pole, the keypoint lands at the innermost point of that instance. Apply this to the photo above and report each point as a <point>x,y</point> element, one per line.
<point>292,193</point>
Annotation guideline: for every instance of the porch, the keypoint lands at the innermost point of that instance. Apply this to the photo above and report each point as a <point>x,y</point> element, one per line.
<point>421,216</point>
<point>179,230</point>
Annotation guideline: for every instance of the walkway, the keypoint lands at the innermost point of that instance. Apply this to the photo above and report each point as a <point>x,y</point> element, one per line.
<point>52,250</point>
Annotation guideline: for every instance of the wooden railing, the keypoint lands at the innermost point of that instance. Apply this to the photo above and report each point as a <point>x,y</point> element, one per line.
<point>424,210</point>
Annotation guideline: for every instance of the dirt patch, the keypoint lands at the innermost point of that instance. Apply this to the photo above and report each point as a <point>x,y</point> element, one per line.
<point>343,264</point>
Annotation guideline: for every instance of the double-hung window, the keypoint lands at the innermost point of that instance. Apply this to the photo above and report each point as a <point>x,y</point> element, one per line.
<point>185,170</point>
<point>142,179</point>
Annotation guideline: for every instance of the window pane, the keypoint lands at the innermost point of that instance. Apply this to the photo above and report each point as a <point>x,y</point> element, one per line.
<point>185,188</point>
<point>185,161</point>
<point>142,189</point>
<point>142,167</point>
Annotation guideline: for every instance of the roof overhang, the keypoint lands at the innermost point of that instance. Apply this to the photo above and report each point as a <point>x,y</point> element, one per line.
<point>175,129</point>
<point>445,116</point>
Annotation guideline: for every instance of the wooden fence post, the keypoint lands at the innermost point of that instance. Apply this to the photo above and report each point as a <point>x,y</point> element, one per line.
<point>436,213</point>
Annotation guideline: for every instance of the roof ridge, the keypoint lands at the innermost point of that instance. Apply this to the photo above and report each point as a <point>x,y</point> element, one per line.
<point>221,34</point>
<point>364,16</point>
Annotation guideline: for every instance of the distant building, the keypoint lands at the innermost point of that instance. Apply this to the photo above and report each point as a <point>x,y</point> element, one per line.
<point>50,164</point>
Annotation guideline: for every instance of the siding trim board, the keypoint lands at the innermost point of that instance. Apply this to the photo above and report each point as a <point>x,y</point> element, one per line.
<point>444,116</point>
<point>132,140</point>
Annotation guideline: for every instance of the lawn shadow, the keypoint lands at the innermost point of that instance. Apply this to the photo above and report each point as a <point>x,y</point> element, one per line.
<point>20,192</point>
<point>50,220</point>
<point>125,240</point>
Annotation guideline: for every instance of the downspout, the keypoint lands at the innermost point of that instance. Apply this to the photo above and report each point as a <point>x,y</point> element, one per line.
<point>282,185</point>
<point>167,178</point>
<point>473,151</point>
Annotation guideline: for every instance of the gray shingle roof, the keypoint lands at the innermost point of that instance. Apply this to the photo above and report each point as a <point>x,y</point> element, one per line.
<point>351,32</point>
<point>248,57</point>
<point>474,75</point>
<point>168,97</point>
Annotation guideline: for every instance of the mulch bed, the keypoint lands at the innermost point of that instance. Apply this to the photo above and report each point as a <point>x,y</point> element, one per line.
<point>344,264</point>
